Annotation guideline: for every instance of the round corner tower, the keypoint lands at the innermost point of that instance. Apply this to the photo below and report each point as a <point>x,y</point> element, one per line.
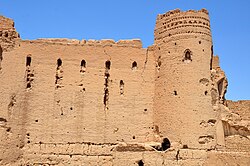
<point>182,105</point>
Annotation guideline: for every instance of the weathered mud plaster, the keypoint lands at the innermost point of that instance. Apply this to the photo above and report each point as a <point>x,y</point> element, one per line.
<point>101,102</point>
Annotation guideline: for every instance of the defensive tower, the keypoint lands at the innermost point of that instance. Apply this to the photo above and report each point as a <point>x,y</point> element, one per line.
<point>182,107</point>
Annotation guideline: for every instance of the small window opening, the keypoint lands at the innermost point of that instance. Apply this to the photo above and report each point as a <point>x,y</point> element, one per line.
<point>206,92</point>
<point>187,56</point>
<point>83,63</point>
<point>175,93</point>
<point>165,144</point>
<point>108,64</point>
<point>83,66</point>
<point>134,65</point>
<point>133,137</point>
<point>199,42</point>
<point>175,43</point>
<point>28,61</point>
<point>185,147</point>
<point>59,62</point>
<point>140,163</point>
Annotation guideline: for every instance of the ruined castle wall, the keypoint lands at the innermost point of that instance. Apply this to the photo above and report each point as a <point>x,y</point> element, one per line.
<point>44,102</point>
<point>8,35</point>
<point>241,107</point>
<point>183,109</point>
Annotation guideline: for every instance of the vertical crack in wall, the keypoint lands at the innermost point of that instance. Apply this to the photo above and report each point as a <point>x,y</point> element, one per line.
<point>29,73</point>
<point>1,57</point>
<point>144,67</point>
<point>59,74</point>
<point>121,87</point>
<point>106,85</point>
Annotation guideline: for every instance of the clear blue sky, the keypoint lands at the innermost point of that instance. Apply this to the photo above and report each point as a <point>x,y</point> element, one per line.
<point>126,19</point>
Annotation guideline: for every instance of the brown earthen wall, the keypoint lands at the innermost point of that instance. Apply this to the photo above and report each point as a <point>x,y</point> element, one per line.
<point>241,107</point>
<point>74,110</point>
<point>180,110</point>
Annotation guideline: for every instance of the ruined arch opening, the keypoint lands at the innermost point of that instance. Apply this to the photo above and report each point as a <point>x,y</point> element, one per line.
<point>28,60</point>
<point>59,62</point>
<point>83,66</point>
<point>107,64</point>
<point>187,56</point>
<point>134,65</point>
<point>83,63</point>
<point>165,144</point>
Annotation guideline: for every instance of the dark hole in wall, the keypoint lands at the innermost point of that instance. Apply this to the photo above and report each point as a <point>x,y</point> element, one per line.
<point>3,120</point>
<point>187,56</point>
<point>199,42</point>
<point>83,63</point>
<point>28,61</point>
<point>59,62</point>
<point>121,87</point>
<point>108,64</point>
<point>28,85</point>
<point>140,163</point>
<point>8,129</point>
<point>121,83</point>
<point>133,137</point>
<point>165,144</point>
<point>175,92</point>
<point>134,65</point>
<point>205,92</point>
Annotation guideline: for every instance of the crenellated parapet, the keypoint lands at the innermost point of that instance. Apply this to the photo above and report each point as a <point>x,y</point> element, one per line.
<point>101,43</point>
<point>179,24</point>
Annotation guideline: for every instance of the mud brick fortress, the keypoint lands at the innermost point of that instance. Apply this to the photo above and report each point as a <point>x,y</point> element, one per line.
<point>71,102</point>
